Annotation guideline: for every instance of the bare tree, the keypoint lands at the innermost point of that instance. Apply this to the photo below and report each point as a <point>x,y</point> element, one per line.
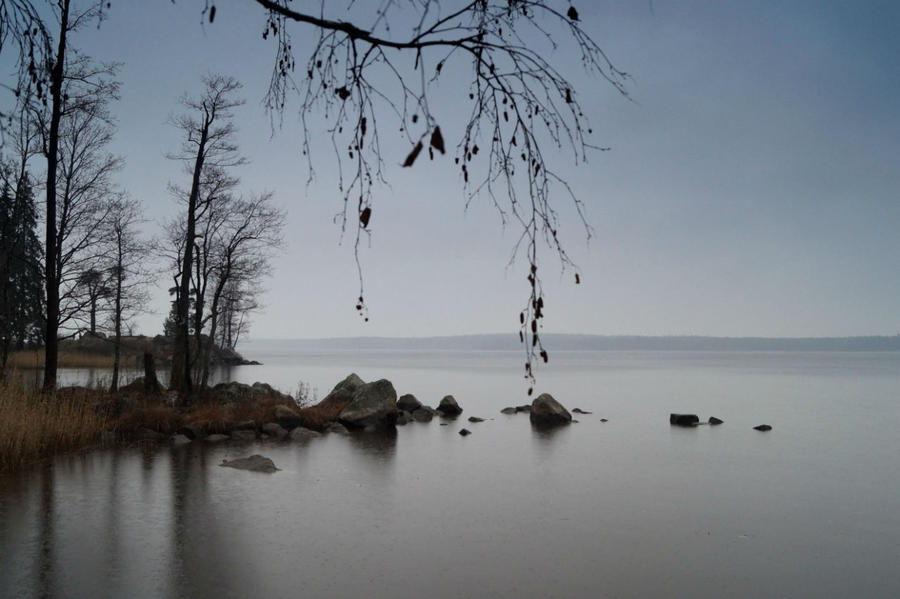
<point>129,276</point>
<point>521,106</point>
<point>209,143</point>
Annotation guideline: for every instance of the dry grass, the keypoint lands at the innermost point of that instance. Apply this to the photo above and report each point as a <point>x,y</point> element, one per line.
<point>316,417</point>
<point>34,358</point>
<point>33,426</point>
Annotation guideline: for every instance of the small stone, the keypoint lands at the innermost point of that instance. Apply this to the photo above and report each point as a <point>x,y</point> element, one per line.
<point>300,433</point>
<point>509,410</point>
<point>475,419</point>
<point>580,411</point>
<point>604,420</point>
<point>464,432</point>
<point>336,427</point>
<point>243,435</point>
<point>684,419</point>
<point>449,407</point>
<point>714,421</point>
<point>275,430</point>
<point>180,440</point>
<point>254,463</point>
<point>762,427</point>
<point>216,438</point>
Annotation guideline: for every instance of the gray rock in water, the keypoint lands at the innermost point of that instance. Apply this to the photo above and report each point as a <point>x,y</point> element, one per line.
<point>274,430</point>
<point>402,418</point>
<point>408,403</point>
<point>580,411</point>
<point>604,420</point>
<point>523,408</point>
<point>475,419</point>
<point>243,435</point>
<point>423,414</point>
<point>546,411</point>
<point>286,417</point>
<point>192,431</point>
<point>684,419</point>
<point>714,421</point>
<point>336,427</point>
<point>254,463</point>
<point>373,405</point>
<point>762,427</point>
<point>509,410</point>
<point>300,433</point>
<point>343,392</point>
<point>449,407</point>
<point>215,438</point>
<point>146,434</point>
<point>465,432</point>
<point>179,440</point>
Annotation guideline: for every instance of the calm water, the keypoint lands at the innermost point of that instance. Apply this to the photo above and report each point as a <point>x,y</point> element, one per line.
<point>627,508</point>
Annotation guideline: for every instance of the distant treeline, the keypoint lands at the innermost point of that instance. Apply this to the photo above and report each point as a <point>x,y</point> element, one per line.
<point>563,342</point>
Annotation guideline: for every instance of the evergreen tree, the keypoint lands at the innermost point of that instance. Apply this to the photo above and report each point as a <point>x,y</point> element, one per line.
<point>21,294</point>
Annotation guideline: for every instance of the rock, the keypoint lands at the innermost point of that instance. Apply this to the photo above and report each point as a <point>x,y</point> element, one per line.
<point>215,438</point>
<point>254,463</point>
<point>245,425</point>
<point>423,414</point>
<point>465,432</point>
<point>192,431</point>
<point>546,411</point>
<point>762,427</point>
<point>336,427</point>
<point>343,392</point>
<point>179,439</point>
<point>373,404</point>
<point>523,408</point>
<point>580,411</point>
<point>475,419</point>
<point>243,435</point>
<point>684,419</point>
<point>146,434</point>
<point>509,410</point>
<point>408,403</point>
<point>449,407</point>
<point>300,433</point>
<point>286,417</point>
<point>604,420</point>
<point>402,418</point>
<point>714,421</point>
<point>274,430</point>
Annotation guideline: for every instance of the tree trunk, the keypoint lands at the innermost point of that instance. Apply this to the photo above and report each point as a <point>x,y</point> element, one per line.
<point>51,267</point>
<point>181,360</point>
<point>117,315</point>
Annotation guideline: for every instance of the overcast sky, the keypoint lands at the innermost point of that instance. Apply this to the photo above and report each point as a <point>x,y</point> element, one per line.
<point>751,187</point>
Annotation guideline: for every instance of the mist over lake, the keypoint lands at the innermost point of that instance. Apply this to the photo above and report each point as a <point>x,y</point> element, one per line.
<point>631,507</point>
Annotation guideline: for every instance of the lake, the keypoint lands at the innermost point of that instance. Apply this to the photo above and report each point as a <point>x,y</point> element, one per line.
<point>631,507</point>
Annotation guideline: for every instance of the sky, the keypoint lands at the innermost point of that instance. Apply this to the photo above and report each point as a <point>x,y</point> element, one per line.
<point>752,187</point>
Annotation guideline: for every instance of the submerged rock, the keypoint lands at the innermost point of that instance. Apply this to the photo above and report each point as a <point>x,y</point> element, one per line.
<point>475,419</point>
<point>300,433</point>
<point>714,421</point>
<point>523,408</point>
<point>509,410</point>
<point>465,432</point>
<point>373,405</point>
<point>275,430</point>
<point>580,411</point>
<point>684,419</point>
<point>254,463</point>
<point>546,411</point>
<point>423,414</point>
<point>762,427</point>
<point>449,407</point>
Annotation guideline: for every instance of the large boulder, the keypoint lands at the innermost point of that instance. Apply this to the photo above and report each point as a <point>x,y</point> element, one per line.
<point>373,405</point>
<point>254,463</point>
<point>408,403</point>
<point>449,407</point>
<point>343,392</point>
<point>546,411</point>
<point>684,419</point>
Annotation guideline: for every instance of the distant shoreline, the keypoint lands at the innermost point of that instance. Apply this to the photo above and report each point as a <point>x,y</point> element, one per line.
<point>563,342</point>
